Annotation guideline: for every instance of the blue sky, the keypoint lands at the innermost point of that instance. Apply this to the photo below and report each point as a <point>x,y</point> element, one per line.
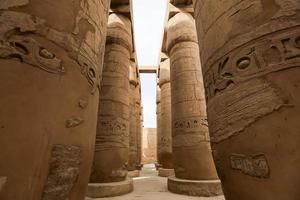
<point>148,19</point>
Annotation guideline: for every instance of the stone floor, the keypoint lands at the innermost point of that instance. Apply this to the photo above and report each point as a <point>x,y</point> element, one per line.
<point>149,186</point>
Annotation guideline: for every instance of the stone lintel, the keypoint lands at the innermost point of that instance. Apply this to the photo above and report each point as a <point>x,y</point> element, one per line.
<point>148,69</point>
<point>201,188</point>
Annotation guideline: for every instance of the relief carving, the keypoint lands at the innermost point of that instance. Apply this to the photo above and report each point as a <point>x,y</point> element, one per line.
<point>73,122</point>
<point>112,133</point>
<point>85,48</point>
<point>63,172</point>
<point>256,166</point>
<point>236,92</point>
<point>271,54</point>
<point>27,50</point>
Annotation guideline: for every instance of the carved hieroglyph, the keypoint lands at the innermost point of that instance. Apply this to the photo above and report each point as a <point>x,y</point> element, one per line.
<point>112,139</point>
<point>165,139</point>
<point>50,60</point>
<point>189,126</point>
<point>251,57</point>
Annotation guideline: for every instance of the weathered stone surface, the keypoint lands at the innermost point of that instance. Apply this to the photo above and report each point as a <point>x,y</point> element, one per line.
<point>133,174</point>
<point>51,58</point>
<point>112,139</point>
<point>251,57</point>
<point>203,188</point>
<point>100,190</point>
<point>165,172</point>
<point>165,150</point>
<point>190,139</point>
<point>139,123</point>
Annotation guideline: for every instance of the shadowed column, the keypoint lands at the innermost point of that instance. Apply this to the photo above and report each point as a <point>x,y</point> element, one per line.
<point>133,160</point>
<point>112,141</point>
<point>166,158</point>
<point>50,64</point>
<point>158,122</point>
<point>191,148</point>
<point>250,52</point>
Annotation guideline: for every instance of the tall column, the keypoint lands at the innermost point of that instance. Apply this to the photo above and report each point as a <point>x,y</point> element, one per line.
<point>158,126</point>
<point>112,139</point>
<point>50,63</point>
<point>251,57</point>
<point>133,161</point>
<point>140,131</point>
<point>191,149</point>
<point>166,125</point>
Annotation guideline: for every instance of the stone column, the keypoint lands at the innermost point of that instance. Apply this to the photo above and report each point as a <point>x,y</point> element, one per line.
<point>140,125</point>
<point>166,125</point>
<point>50,63</point>
<point>251,57</point>
<point>191,149</point>
<point>158,126</point>
<point>134,116</point>
<point>112,139</point>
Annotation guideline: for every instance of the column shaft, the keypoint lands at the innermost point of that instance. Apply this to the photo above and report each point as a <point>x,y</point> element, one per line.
<point>191,148</point>
<point>112,141</point>
<point>250,52</point>
<point>51,60</point>
<point>166,125</point>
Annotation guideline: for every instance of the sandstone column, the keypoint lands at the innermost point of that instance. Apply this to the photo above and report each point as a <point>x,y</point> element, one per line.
<point>251,57</point>
<point>112,140</point>
<point>191,149</point>
<point>158,126</point>
<point>50,64</point>
<point>166,158</point>
<point>140,119</point>
<point>133,160</point>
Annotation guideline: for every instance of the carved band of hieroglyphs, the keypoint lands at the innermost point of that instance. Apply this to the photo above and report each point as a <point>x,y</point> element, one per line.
<point>63,172</point>
<point>191,124</point>
<point>256,166</point>
<point>27,50</point>
<point>16,29</point>
<point>165,144</point>
<point>190,132</point>
<point>3,181</point>
<point>272,53</point>
<point>111,134</point>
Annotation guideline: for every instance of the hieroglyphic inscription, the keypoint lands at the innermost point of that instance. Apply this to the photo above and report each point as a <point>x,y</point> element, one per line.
<point>27,50</point>
<point>83,46</point>
<point>112,133</point>
<point>190,132</point>
<point>63,172</point>
<point>237,93</point>
<point>256,166</point>
<point>270,54</point>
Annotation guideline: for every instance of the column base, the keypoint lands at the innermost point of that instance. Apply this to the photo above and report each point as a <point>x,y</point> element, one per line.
<point>133,174</point>
<point>199,188</point>
<point>100,190</point>
<point>165,172</point>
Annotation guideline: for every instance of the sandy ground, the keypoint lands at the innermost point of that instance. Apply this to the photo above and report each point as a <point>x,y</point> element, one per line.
<point>149,186</point>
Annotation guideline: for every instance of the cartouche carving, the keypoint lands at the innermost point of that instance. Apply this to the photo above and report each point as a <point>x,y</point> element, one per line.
<point>256,166</point>
<point>27,50</point>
